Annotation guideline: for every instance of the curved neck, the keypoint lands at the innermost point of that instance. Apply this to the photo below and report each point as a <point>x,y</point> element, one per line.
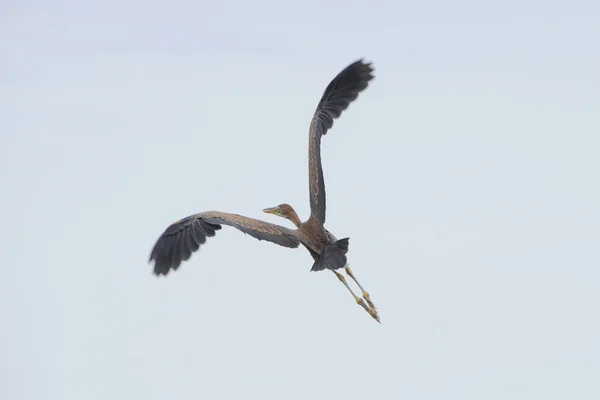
<point>292,216</point>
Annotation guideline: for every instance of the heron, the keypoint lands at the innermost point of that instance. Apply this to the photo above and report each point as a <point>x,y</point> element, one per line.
<point>184,237</point>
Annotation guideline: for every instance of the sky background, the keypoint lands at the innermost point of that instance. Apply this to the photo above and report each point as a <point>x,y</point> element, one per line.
<point>466,177</point>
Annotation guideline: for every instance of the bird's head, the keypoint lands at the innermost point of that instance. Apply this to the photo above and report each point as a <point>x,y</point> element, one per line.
<point>282,210</point>
<point>285,211</point>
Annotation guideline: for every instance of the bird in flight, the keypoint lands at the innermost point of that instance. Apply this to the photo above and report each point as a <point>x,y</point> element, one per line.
<point>184,237</point>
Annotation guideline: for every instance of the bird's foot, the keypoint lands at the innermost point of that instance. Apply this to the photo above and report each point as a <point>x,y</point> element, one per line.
<point>365,294</point>
<point>359,300</point>
<point>367,297</point>
<point>372,311</point>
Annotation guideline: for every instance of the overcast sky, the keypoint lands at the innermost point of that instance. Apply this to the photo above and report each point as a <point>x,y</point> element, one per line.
<point>466,177</point>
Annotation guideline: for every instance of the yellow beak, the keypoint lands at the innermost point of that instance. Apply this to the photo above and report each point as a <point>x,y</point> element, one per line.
<point>273,210</point>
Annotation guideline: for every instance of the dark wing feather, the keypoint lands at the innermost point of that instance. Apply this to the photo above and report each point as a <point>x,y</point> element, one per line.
<point>185,236</point>
<point>338,95</point>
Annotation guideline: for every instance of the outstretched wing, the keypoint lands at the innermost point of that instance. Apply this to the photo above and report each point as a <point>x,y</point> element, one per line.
<point>338,95</point>
<point>185,236</point>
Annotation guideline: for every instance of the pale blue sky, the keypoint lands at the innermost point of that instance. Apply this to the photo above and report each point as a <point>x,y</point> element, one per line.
<point>466,177</point>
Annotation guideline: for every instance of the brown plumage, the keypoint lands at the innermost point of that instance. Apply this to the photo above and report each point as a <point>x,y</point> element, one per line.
<point>180,240</point>
<point>185,236</point>
<point>338,95</point>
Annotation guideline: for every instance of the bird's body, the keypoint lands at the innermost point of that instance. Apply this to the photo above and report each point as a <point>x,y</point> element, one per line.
<point>323,246</point>
<point>185,236</point>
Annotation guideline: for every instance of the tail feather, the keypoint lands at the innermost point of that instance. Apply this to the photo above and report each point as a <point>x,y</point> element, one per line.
<point>333,257</point>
